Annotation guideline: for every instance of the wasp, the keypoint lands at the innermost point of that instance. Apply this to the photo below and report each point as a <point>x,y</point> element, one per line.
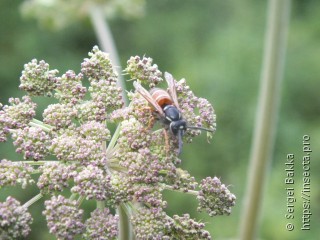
<point>166,105</point>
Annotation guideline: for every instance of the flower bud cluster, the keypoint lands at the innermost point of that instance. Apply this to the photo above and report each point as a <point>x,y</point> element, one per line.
<point>214,197</point>
<point>122,189</point>
<point>12,173</point>
<point>18,114</point>
<point>55,177</point>
<point>187,228</point>
<point>15,220</point>
<point>149,223</point>
<point>207,114</point>
<point>96,131</point>
<point>103,80</point>
<point>106,92</point>
<point>101,225</point>
<point>133,135</point>
<point>64,218</point>
<point>149,195</point>
<point>188,104</point>
<point>144,70</point>
<point>92,183</point>
<point>59,115</point>
<point>37,79</point>
<point>98,66</point>
<point>184,181</point>
<point>91,111</point>
<point>69,88</point>
<point>32,141</point>
<point>71,146</point>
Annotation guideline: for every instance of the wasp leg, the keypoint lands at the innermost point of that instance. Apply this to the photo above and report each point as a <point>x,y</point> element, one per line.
<point>180,142</point>
<point>166,139</point>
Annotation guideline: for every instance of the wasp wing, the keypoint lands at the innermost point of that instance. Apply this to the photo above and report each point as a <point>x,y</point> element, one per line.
<point>172,88</point>
<point>144,93</point>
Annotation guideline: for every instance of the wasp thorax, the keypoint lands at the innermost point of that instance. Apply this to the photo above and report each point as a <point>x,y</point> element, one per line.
<point>172,114</point>
<point>161,97</point>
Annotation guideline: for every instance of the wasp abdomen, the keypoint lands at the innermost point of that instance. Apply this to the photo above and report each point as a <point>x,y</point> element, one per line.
<point>161,96</point>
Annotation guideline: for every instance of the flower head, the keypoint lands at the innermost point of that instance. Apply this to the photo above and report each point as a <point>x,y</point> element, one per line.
<point>101,225</point>
<point>149,223</point>
<point>92,182</point>
<point>186,228</point>
<point>64,218</point>
<point>91,111</point>
<point>15,220</point>
<point>37,79</point>
<point>69,145</point>
<point>18,114</point>
<point>12,173</point>
<point>69,88</point>
<point>93,130</point>
<point>98,66</point>
<point>32,141</point>
<point>214,197</point>
<point>55,177</point>
<point>59,115</point>
<point>60,14</point>
<point>144,70</point>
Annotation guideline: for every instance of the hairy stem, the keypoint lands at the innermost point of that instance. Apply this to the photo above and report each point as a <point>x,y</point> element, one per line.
<point>267,111</point>
<point>33,200</point>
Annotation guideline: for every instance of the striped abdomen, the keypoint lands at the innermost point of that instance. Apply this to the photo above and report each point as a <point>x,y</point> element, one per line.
<point>161,96</point>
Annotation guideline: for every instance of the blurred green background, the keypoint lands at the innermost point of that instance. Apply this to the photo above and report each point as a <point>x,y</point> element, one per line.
<point>217,46</point>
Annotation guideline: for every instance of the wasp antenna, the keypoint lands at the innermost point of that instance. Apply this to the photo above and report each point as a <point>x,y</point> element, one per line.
<point>201,128</point>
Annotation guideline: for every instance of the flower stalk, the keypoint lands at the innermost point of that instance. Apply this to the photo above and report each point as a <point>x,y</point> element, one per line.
<point>267,113</point>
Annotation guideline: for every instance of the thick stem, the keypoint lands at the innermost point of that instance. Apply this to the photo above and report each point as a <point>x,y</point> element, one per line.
<point>267,112</point>
<point>125,229</point>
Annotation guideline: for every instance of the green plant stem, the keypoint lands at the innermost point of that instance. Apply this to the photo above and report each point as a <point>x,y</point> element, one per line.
<point>38,163</point>
<point>33,200</point>
<point>105,39</point>
<point>39,124</point>
<point>125,230</point>
<point>171,188</point>
<point>266,118</point>
<point>100,205</point>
